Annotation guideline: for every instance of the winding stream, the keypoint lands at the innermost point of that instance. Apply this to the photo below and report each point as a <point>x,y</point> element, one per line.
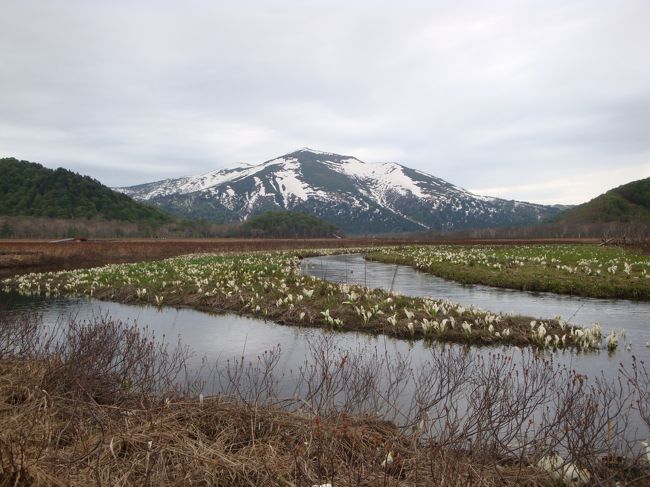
<point>633,316</point>
<point>222,337</point>
<point>230,338</point>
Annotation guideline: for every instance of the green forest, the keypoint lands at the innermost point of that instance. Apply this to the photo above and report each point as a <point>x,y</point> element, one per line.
<point>627,203</point>
<point>29,189</point>
<point>286,224</point>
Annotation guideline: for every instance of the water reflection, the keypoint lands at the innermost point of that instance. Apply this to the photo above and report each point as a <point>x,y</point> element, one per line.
<point>617,314</point>
<point>385,376</point>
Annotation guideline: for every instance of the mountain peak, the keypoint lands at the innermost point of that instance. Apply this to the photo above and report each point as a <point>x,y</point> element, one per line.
<point>357,196</point>
<point>315,152</point>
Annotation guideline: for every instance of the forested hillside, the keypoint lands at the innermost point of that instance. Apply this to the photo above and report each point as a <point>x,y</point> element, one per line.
<point>627,203</point>
<point>29,189</point>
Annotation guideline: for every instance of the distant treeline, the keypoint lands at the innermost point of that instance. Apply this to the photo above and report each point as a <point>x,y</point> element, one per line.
<point>268,225</point>
<point>286,224</point>
<point>630,231</point>
<point>39,227</point>
<point>32,227</point>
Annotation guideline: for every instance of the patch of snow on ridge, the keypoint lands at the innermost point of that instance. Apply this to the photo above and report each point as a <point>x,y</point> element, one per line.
<point>162,188</point>
<point>489,199</point>
<point>394,175</point>
<point>383,176</point>
<point>289,184</point>
<point>353,167</point>
<point>259,185</point>
<point>201,182</point>
<point>236,165</point>
<point>211,179</point>
<point>190,184</point>
<point>227,198</point>
<point>251,198</point>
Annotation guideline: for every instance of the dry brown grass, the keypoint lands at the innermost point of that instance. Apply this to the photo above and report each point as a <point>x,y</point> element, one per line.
<point>50,439</point>
<point>75,411</point>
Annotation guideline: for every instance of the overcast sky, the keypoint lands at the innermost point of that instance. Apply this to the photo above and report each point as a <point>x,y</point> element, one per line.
<point>541,101</point>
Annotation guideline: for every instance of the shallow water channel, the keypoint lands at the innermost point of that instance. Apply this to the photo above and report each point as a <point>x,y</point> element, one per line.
<point>223,339</point>
<point>618,314</point>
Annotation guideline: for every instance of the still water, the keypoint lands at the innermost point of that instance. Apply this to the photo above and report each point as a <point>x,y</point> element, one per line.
<point>229,337</point>
<point>222,339</point>
<point>632,316</point>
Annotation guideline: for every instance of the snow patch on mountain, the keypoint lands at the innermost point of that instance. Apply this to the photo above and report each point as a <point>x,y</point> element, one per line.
<point>393,177</point>
<point>288,183</point>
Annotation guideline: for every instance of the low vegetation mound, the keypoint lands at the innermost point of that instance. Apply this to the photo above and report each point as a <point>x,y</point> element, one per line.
<point>583,270</point>
<point>286,224</point>
<point>29,189</point>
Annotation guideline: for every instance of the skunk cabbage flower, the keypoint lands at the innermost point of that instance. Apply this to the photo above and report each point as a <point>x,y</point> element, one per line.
<point>564,471</point>
<point>388,460</point>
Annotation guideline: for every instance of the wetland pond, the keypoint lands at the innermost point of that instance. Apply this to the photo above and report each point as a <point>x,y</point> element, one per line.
<point>223,339</point>
<point>229,336</point>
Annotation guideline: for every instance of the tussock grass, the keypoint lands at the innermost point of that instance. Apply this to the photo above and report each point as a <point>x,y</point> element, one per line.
<point>52,440</point>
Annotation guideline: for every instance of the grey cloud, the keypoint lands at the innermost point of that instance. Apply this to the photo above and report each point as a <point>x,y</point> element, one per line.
<point>500,95</point>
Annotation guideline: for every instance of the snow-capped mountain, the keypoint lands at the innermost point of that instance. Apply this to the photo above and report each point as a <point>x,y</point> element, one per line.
<point>358,197</point>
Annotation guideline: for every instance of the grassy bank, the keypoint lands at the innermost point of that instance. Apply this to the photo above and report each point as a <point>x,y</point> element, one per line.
<point>583,270</point>
<point>101,403</point>
<point>22,256</point>
<point>270,286</point>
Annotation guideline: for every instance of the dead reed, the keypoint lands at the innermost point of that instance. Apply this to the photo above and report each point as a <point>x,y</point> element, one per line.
<point>101,403</point>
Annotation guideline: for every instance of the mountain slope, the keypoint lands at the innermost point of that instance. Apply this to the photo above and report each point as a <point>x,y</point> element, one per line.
<point>29,189</point>
<point>356,196</point>
<point>627,203</point>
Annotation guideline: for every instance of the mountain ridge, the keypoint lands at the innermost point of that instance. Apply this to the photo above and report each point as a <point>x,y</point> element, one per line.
<point>358,197</point>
